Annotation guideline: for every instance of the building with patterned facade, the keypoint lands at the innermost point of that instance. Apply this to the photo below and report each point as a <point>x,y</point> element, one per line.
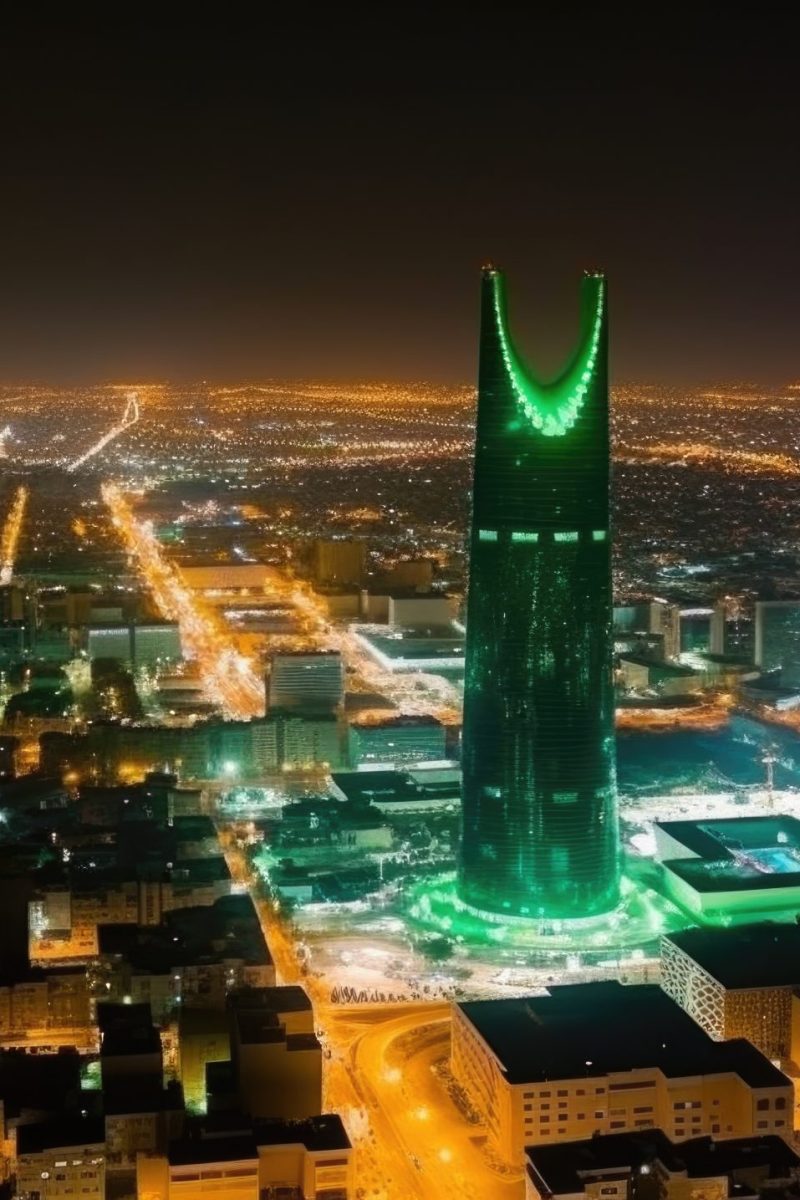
<point>739,982</point>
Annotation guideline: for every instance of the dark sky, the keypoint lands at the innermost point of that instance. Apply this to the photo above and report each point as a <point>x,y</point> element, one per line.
<point>317,200</point>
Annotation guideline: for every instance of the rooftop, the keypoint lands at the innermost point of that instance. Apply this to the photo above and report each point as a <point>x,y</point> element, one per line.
<point>213,1144</point>
<point>594,1029</point>
<point>745,956</point>
<point>291,998</point>
<point>568,1167</point>
<point>187,1151</point>
<point>66,1131</point>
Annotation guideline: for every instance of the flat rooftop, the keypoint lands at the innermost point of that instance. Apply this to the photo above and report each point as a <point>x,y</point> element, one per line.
<point>404,651</point>
<point>66,1131</point>
<point>291,998</point>
<point>567,1168</point>
<point>590,1030</point>
<point>736,853</point>
<point>745,956</point>
<point>730,835</point>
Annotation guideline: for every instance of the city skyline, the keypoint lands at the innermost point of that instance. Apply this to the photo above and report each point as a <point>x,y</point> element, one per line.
<point>399,740</point>
<point>206,208</point>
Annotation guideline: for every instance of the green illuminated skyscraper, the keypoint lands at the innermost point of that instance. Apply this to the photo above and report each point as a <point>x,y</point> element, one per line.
<point>540,833</point>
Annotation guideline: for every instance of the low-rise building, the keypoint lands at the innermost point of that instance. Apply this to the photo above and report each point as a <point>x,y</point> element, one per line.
<point>43,1000</point>
<point>396,741</point>
<point>61,1158</point>
<point>643,1166</point>
<point>277,1059</point>
<point>311,1159</point>
<point>600,1058</point>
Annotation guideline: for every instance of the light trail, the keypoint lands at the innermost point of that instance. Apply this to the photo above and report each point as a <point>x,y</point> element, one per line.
<point>9,540</point>
<point>129,418</point>
<point>402,1123</point>
<point>714,715</point>
<point>228,678</point>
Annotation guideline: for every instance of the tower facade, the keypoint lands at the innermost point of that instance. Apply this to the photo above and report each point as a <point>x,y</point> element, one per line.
<point>540,832</point>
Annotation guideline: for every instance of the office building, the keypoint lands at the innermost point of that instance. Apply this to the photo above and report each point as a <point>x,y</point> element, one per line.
<point>110,641</point>
<point>137,645</point>
<point>414,573</point>
<point>306,741</point>
<point>339,562</point>
<point>156,645</point>
<point>540,831</point>
<point>396,741</point>
<point>739,982</point>
<point>281,1159</point>
<point>777,639</point>
<point>422,612</point>
<point>643,1166</point>
<point>601,1058</point>
<point>306,682</point>
<point>696,624</point>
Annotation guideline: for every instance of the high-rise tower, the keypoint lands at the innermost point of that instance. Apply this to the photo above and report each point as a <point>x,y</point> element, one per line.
<point>540,834</point>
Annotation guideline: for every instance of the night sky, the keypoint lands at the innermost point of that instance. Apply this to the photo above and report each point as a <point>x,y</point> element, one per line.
<point>317,201</point>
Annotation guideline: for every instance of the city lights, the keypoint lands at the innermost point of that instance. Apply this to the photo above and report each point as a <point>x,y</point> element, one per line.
<point>9,539</point>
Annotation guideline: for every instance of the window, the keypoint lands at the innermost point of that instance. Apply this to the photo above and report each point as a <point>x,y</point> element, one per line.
<point>617,1112</point>
<point>679,1120</point>
<point>543,1094</point>
<point>563,1104</point>
<point>779,1124</point>
<point>487,535</point>
<point>562,1093</point>
<point>599,1113</point>
<point>598,535</point>
<point>527,1095</point>
<point>715,1128</point>
<point>644,1108</point>
<point>527,1107</point>
<point>581,1117</point>
<point>780,1102</point>
<point>581,1092</point>
<point>524,537</point>
<point>608,1191</point>
<point>544,1106</point>
<point>598,1091</point>
<point>570,536</point>
<point>762,1124</point>
<point>562,1131</point>
<point>761,1105</point>
<point>617,1124</point>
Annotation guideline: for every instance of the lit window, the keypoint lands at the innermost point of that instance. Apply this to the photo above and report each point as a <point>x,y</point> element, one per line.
<point>599,535</point>
<point>487,535</point>
<point>524,537</point>
<point>569,536</point>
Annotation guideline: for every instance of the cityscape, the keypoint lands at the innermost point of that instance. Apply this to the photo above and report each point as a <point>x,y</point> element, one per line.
<point>399,775</point>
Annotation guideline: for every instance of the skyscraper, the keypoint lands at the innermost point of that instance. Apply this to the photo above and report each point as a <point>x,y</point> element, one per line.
<point>540,832</point>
